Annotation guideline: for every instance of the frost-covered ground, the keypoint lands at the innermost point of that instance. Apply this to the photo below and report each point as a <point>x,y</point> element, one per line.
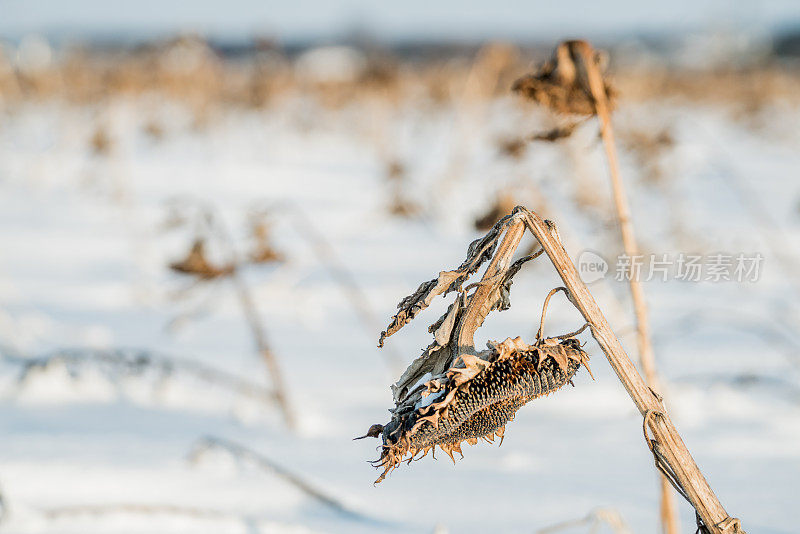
<point>89,445</point>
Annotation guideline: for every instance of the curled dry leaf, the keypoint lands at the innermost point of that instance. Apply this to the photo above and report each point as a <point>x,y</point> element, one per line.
<point>196,264</point>
<point>513,147</point>
<point>264,251</point>
<point>561,83</point>
<point>479,251</point>
<point>400,206</point>
<point>557,133</point>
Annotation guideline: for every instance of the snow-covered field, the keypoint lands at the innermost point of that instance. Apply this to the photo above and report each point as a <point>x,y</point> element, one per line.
<point>92,444</point>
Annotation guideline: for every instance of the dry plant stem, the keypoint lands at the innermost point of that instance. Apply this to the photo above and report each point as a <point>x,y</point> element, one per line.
<point>540,333</point>
<point>277,469</point>
<point>669,518</point>
<point>610,297</point>
<point>327,256</point>
<point>594,519</point>
<point>476,313</point>
<point>134,508</point>
<point>253,319</point>
<point>127,359</point>
<point>667,508</point>
<point>667,440</point>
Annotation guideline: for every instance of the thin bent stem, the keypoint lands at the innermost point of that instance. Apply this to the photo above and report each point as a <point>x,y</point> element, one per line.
<point>572,334</point>
<point>268,464</point>
<point>254,321</point>
<point>540,333</point>
<point>326,254</point>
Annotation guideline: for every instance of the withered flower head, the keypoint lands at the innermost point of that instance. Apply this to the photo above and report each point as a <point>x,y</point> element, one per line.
<point>562,82</point>
<point>476,397</point>
<point>453,393</point>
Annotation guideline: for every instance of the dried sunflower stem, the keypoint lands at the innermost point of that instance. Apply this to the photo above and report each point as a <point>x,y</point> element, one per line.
<point>540,332</point>
<point>253,319</point>
<point>256,326</point>
<point>269,465</point>
<point>480,303</point>
<point>668,511</point>
<point>595,518</point>
<point>667,440</point>
<point>326,254</point>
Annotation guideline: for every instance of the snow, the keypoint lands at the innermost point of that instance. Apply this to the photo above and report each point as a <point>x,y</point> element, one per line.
<point>83,267</point>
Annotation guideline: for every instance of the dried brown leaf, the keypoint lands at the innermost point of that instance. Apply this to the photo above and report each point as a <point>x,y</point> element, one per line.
<point>196,264</point>
<point>478,252</point>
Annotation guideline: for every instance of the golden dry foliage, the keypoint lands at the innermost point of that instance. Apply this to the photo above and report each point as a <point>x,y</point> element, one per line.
<point>513,147</point>
<point>557,133</point>
<point>154,130</point>
<point>745,89</point>
<point>189,70</point>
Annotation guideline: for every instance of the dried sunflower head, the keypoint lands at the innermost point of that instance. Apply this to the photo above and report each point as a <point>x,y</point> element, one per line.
<point>475,398</point>
<point>562,84</point>
<point>454,393</point>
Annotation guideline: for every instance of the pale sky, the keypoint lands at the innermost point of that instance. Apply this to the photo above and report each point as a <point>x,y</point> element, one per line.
<point>444,19</point>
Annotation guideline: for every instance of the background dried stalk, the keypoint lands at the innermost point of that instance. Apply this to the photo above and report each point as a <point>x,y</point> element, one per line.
<point>671,455</point>
<point>572,82</point>
<point>326,254</point>
<point>132,363</point>
<point>598,88</point>
<point>593,519</point>
<point>256,326</point>
<point>241,452</point>
<point>197,264</point>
